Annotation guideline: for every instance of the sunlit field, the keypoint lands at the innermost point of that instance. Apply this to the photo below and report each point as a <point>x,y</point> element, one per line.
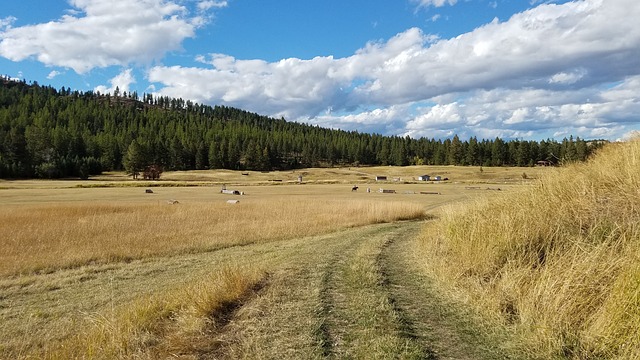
<point>46,237</point>
<point>108,257</point>
<point>61,224</point>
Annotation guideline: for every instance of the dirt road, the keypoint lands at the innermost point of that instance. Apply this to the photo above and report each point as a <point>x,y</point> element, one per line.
<point>352,294</point>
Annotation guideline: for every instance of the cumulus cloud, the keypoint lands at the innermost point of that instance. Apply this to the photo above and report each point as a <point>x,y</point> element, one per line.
<point>122,81</point>
<point>102,33</point>
<point>290,87</point>
<point>390,120</point>
<point>552,67</point>
<point>513,113</point>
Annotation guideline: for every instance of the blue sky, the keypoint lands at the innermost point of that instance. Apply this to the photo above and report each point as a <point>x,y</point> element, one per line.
<point>514,69</point>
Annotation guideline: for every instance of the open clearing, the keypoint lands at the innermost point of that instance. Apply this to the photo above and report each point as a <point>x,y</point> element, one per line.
<point>344,290</point>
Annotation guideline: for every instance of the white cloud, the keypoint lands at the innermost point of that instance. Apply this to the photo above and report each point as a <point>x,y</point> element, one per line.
<point>390,120</point>
<point>514,113</point>
<point>101,34</point>
<point>568,78</point>
<point>53,74</point>
<point>6,23</point>
<point>206,5</point>
<point>435,3</point>
<point>122,81</point>
<point>631,135</point>
<point>548,67</point>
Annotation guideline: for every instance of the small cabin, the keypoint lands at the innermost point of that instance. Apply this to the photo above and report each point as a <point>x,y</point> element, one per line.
<point>381,178</point>
<point>424,178</point>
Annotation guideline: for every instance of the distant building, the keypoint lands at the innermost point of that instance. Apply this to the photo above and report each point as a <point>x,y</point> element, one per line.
<point>424,178</point>
<point>437,178</point>
<point>381,178</point>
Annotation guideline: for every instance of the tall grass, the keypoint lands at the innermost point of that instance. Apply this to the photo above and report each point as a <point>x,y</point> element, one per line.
<point>167,325</point>
<point>51,236</point>
<point>559,263</point>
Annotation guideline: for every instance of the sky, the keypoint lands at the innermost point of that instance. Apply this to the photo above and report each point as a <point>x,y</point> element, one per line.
<point>515,69</point>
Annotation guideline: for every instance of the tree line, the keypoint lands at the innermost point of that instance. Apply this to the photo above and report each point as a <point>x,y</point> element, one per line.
<point>50,133</point>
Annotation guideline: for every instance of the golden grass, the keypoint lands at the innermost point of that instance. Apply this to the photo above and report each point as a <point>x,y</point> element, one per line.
<point>46,237</point>
<point>315,176</point>
<point>171,324</point>
<point>558,263</point>
<point>47,226</point>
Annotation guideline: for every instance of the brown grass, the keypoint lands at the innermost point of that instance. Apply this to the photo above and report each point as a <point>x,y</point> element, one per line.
<point>46,237</point>
<point>161,326</point>
<point>133,296</point>
<point>557,263</point>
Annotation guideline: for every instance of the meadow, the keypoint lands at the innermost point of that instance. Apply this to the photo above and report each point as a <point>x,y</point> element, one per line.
<point>102,269</point>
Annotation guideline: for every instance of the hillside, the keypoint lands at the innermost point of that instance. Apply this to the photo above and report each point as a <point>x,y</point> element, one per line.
<point>558,264</point>
<point>49,133</point>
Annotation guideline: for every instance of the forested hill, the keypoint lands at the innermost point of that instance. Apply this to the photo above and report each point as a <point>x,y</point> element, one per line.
<point>50,133</point>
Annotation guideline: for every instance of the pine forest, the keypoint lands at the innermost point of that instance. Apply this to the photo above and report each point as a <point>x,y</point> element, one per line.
<point>50,133</point>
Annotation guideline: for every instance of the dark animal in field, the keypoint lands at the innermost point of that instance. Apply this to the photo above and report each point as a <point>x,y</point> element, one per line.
<point>354,188</point>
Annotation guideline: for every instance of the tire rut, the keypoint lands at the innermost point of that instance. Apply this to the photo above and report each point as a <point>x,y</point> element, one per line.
<point>290,317</point>
<point>360,319</point>
<point>328,335</point>
<point>443,333</point>
<point>353,294</point>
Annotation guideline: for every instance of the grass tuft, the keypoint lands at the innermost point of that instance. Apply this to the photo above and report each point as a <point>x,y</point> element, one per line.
<point>165,325</point>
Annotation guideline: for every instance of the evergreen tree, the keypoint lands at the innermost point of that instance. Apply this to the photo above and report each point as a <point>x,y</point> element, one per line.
<point>456,151</point>
<point>134,160</point>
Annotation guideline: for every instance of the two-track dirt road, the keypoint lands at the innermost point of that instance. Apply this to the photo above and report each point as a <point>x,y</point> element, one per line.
<point>352,294</point>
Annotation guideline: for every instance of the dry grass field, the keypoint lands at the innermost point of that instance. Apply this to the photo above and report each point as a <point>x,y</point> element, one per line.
<point>102,269</point>
<point>557,263</point>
